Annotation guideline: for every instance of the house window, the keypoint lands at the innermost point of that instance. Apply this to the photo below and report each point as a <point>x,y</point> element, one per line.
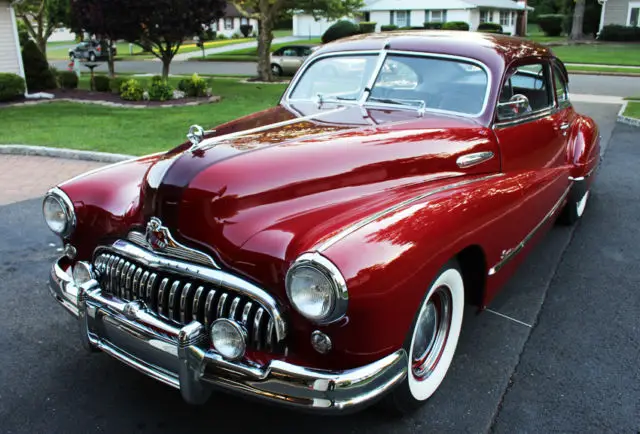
<point>634,14</point>
<point>436,16</point>
<point>244,20</point>
<point>228,23</point>
<point>505,18</point>
<point>400,18</point>
<point>486,15</point>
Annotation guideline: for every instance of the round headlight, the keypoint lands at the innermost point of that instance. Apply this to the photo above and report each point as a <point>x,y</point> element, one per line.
<point>228,338</point>
<point>316,288</point>
<point>58,213</point>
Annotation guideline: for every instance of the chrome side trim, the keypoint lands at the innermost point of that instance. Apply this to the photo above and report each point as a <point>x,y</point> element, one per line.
<point>472,159</point>
<point>217,277</point>
<point>364,222</point>
<point>509,254</point>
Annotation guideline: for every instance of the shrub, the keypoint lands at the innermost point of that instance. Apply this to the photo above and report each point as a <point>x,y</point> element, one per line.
<point>236,36</point>
<point>620,34</point>
<point>160,89</point>
<point>23,33</point>
<point>246,30</point>
<point>193,86</point>
<point>456,25</point>
<point>131,90</point>
<point>11,86</point>
<point>388,28</point>
<point>67,80</point>
<point>367,27</point>
<point>433,26</point>
<point>222,37</point>
<point>115,84</point>
<point>551,24</point>
<point>36,69</point>
<point>101,83</point>
<point>340,29</point>
<point>490,28</point>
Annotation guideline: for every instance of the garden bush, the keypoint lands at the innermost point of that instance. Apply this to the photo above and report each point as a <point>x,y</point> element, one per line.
<point>11,86</point>
<point>36,69</point>
<point>246,30</point>
<point>131,90</point>
<point>115,84</point>
<point>68,80</point>
<point>455,25</point>
<point>23,33</point>
<point>340,29</point>
<point>160,89</point>
<point>221,37</point>
<point>551,24</point>
<point>194,86</point>
<point>388,28</point>
<point>367,26</point>
<point>620,34</point>
<point>101,83</point>
<point>490,28</point>
<point>433,26</point>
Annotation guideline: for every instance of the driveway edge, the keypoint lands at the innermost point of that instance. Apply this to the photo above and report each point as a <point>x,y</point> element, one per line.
<point>73,154</point>
<point>626,119</point>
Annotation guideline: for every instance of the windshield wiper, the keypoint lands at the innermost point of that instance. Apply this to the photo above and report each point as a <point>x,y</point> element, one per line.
<point>320,99</point>
<point>421,105</point>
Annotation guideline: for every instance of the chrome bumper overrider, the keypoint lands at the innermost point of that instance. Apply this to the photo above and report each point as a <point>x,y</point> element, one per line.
<point>180,357</point>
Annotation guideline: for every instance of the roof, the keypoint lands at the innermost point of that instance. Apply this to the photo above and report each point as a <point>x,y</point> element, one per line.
<point>231,11</point>
<point>495,51</point>
<point>390,5</point>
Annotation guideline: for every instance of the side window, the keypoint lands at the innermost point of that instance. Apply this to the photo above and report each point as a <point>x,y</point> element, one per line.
<point>562,91</point>
<point>290,52</point>
<point>527,89</point>
<point>278,52</point>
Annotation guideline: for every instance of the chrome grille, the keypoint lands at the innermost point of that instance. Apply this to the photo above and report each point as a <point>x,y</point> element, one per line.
<point>182,299</point>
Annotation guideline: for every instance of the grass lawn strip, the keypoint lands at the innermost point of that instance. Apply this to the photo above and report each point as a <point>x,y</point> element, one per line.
<point>604,54</point>
<point>604,71</point>
<point>251,54</point>
<point>127,131</point>
<point>633,110</point>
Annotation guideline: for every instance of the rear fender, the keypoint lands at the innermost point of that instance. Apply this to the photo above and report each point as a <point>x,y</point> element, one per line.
<point>584,148</point>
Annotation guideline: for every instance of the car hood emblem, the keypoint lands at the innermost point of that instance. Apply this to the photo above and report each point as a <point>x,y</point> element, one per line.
<point>157,235</point>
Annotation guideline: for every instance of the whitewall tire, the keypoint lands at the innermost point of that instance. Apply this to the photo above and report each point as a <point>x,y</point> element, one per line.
<point>432,340</point>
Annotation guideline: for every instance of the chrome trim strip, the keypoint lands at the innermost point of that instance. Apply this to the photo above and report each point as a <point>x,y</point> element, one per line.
<point>533,116</point>
<point>196,303</point>
<point>256,327</point>
<point>364,222</point>
<point>469,160</point>
<point>217,277</point>
<point>508,255</point>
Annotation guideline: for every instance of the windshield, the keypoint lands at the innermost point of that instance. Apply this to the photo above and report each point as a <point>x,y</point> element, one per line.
<point>404,80</point>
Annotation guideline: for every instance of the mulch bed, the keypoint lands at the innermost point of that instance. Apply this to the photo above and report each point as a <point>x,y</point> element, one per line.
<point>86,96</point>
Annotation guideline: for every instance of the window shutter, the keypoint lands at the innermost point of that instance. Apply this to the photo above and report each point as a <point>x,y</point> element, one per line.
<point>392,20</point>
<point>408,18</point>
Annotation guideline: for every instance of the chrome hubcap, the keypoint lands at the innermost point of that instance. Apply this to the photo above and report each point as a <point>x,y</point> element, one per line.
<point>581,205</point>
<point>432,331</point>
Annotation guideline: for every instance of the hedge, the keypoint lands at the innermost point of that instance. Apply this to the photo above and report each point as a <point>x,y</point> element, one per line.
<point>11,86</point>
<point>339,30</point>
<point>388,28</point>
<point>67,80</point>
<point>36,69</point>
<point>455,25</point>
<point>551,24</point>
<point>620,34</point>
<point>433,26</point>
<point>367,27</point>
<point>490,28</point>
<point>102,83</point>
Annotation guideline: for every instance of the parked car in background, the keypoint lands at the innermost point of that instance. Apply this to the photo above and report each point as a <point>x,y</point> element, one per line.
<point>287,60</point>
<point>91,50</point>
<point>321,253</point>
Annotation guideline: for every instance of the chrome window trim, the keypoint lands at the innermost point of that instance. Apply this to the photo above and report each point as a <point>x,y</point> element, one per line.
<point>383,54</point>
<point>533,116</point>
<point>216,277</point>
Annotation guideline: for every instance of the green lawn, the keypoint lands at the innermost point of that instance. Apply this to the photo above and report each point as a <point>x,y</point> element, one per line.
<point>633,110</point>
<point>633,71</point>
<point>251,54</point>
<point>605,53</point>
<point>535,34</point>
<point>130,131</point>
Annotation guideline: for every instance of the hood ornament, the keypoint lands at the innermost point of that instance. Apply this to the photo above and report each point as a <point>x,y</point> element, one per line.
<point>196,135</point>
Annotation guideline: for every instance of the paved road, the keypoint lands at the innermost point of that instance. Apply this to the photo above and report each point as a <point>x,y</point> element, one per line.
<point>227,48</point>
<point>566,361</point>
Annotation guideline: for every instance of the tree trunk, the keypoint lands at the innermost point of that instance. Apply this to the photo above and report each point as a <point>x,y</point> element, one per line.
<point>110,62</point>
<point>578,18</point>
<point>166,64</point>
<point>265,37</point>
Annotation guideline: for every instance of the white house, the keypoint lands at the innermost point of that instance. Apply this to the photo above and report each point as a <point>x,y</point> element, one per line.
<point>230,23</point>
<point>620,12</point>
<point>10,56</point>
<point>414,13</point>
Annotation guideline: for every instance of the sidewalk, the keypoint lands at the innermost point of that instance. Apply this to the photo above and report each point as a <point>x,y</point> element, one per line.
<point>29,177</point>
<point>232,47</point>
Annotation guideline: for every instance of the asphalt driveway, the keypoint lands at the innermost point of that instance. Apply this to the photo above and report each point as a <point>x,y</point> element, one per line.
<point>557,351</point>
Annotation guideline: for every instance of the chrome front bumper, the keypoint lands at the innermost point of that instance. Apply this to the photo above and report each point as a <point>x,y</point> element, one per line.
<point>181,358</point>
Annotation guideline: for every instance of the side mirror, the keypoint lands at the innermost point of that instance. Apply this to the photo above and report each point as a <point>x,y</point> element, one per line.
<point>517,106</point>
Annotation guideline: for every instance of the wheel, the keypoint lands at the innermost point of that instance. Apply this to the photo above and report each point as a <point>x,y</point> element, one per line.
<point>432,340</point>
<point>92,57</point>
<point>576,204</point>
<point>276,70</point>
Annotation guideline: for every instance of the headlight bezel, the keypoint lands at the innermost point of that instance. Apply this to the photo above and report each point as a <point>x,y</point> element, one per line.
<point>329,270</point>
<point>67,207</point>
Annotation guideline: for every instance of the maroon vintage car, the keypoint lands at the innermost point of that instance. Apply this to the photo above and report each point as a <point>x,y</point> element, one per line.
<point>320,253</point>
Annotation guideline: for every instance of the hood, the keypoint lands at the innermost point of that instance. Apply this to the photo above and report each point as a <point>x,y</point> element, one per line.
<point>270,186</point>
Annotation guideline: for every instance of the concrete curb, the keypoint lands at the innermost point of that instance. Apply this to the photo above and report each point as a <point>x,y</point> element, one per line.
<point>72,154</point>
<point>626,119</point>
<point>615,74</point>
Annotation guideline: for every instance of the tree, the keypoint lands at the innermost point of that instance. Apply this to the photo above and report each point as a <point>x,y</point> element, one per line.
<point>578,20</point>
<point>163,25</point>
<point>41,18</point>
<point>267,12</point>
